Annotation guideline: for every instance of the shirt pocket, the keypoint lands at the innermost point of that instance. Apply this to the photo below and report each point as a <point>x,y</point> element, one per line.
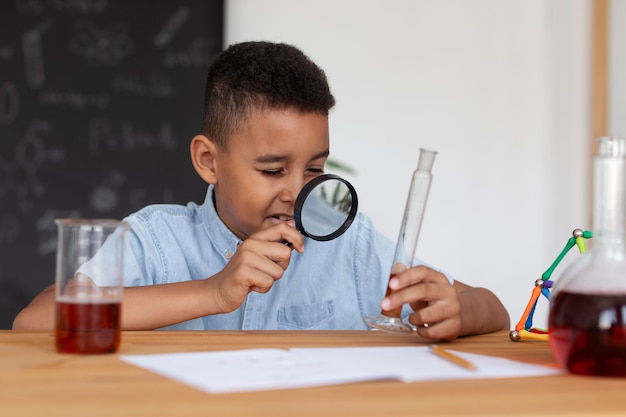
<point>306,316</point>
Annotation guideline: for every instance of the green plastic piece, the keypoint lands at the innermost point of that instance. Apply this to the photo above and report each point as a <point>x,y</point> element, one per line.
<point>571,242</point>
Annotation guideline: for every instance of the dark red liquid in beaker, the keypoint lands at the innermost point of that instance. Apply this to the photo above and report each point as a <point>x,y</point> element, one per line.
<point>588,333</point>
<point>87,327</point>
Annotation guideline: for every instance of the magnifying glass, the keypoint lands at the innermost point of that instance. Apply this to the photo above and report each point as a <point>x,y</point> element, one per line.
<point>326,207</point>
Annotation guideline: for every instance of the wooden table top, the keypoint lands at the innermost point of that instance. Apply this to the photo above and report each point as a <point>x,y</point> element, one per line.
<point>35,380</point>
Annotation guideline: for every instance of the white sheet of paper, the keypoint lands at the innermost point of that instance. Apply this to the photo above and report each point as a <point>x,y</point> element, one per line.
<point>271,369</point>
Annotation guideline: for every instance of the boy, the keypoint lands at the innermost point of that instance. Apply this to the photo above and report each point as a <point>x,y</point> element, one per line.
<point>224,264</point>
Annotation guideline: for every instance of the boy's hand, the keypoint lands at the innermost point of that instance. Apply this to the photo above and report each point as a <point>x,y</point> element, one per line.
<point>260,260</point>
<point>436,305</point>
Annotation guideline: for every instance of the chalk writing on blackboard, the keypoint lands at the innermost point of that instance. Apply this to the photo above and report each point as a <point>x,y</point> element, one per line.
<point>33,54</point>
<point>171,27</point>
<point>20,173</point>
<point>9,102</point>
<point>103,45</point>
<point>64,6</point>
<point>98,102</point>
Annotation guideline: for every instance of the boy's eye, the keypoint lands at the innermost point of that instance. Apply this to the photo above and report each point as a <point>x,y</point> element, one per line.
<point>272,171</point>
<point>279,171</point>
<point>316,171</point>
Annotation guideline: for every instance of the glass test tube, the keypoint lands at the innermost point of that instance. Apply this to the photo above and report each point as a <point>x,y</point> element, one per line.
<point>407,239</point>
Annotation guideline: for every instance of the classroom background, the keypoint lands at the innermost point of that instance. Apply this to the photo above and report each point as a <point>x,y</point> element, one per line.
<point>505,91</point>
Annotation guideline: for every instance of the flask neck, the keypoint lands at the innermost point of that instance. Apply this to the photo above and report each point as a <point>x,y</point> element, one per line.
<point>609,211</point>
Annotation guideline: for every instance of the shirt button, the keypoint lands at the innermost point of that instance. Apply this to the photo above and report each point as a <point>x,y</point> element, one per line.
<point>229,255</point>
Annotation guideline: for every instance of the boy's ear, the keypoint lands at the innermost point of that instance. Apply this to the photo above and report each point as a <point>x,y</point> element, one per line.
<point>203,157</point>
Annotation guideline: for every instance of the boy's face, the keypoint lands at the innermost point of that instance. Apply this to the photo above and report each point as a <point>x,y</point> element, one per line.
<point>268,161</point>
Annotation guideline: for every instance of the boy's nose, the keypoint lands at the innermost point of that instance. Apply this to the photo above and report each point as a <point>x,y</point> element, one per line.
<point>292,188</point>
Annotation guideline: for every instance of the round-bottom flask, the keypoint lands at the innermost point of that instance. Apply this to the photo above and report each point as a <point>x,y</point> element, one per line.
<point>587,319</point>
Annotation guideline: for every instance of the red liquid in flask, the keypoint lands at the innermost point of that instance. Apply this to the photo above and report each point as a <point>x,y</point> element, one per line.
<point>88,327</point>
<point>588,333</point>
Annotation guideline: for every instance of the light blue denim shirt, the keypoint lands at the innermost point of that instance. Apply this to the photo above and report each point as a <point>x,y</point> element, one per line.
<point>332,285</point>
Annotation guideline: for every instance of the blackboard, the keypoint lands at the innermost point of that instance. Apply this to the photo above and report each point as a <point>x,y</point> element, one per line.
<point>99,100</point>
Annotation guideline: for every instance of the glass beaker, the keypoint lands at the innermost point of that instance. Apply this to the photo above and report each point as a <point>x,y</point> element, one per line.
<point>406,246</point>
<point>89,285</point>
<point>587,318</point>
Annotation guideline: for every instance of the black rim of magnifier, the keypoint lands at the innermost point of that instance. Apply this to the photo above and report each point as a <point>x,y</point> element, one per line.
<point>306,190</point>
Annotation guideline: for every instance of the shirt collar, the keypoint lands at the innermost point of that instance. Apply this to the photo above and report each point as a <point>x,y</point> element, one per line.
<point>220,235</point>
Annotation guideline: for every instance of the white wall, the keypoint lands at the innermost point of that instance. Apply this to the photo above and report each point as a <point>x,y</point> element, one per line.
<point>499,88</point>
<point>617,66</point>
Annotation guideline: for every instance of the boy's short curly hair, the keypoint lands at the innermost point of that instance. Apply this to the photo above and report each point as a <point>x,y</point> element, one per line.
<point>260,75</point>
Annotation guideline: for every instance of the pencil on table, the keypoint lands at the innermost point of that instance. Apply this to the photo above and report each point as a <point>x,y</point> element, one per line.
<point>451,357</point>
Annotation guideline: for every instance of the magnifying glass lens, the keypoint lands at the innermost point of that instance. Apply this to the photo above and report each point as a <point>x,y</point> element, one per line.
<point>326,207</point>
